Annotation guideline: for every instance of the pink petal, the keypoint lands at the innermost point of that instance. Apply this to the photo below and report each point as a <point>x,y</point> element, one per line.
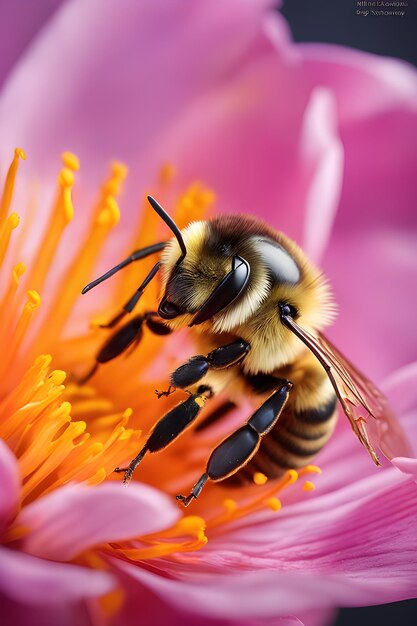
<point>9,485</point>
<point>140,600</point>
<point>401,390</point>
<point>322,151</point>
<point>56,614</point>
<point>248,142</point>
<point>31,580</point>
<point>364,84</point>
<point>357,546</point>
<point>74,518</point>
<point>371,269</point>
<point>259,594</point>
<point>406,465</point>
<point>18,27</point>
<point>252,148</point>
<point>371,259</point>
<point>124,69</point>
<point>373,241</point>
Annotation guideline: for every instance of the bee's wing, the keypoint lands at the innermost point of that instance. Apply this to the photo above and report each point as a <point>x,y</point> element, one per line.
<point>363,404</point>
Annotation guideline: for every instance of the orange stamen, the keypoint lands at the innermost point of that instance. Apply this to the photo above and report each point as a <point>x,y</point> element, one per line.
<point>62,214</point>
<point>7,312</point>
<point>31,306</point>
<point>8,189</point>
<point>78,273</point>
<point>6,230</point>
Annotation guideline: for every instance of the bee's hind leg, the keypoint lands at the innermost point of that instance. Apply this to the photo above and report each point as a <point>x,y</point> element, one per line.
<point>239,447</point>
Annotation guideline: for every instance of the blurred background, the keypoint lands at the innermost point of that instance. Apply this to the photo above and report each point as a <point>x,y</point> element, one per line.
<point>337,22</point>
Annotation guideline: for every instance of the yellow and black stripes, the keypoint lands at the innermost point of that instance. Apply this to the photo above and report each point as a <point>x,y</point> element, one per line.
<point>296,438</point>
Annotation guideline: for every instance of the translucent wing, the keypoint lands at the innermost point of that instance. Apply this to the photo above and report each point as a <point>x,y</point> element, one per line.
<point>363,404</point>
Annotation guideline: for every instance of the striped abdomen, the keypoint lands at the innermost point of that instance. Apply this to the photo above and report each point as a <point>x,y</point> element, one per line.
<point>294,441</point>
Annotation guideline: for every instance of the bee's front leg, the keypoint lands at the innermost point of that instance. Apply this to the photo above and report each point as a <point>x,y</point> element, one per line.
<point>127,336</point>
<point>238,448</point>
<point>221,358</point>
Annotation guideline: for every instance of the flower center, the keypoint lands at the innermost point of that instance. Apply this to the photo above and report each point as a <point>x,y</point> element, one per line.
<point>72,432</point>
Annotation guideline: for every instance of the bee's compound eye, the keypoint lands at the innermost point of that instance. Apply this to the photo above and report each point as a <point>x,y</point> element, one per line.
<point>288,310</point>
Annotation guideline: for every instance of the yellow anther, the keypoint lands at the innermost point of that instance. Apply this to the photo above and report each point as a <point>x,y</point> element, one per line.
<point>96,448</point>
<point>292,476</point>
<point>313,469</point>
<point>187,203</point>
<point>57,377</point>
<point>18,271</point>
<point>5,233</point>
<point>71,161</point>
<point>192,525</point>
<point>207,197</point>
<point>43,361</point>
<point>309,486</point>
<point>9,184</point>
<point>13,220</point>
<point>230,505</point>
<point>119,170</point>
<point>34,299</point>
<point>167,173</point>
<point>66,408</point>
<point>274,504</point>
<point>66,177</point>
<point>202,538</point>
<point>78,429</point>
<point>20,153</point>
<point>259,478</point>
<point>98,477</point>
<point>126,414</point>
<point>127,434</point>
<point>200,400</point>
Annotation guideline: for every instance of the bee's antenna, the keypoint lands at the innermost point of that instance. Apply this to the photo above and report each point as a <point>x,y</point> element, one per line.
<point>171,224</point>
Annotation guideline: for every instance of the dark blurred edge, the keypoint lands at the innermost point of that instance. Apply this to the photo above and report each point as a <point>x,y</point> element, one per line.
<point>336,21</point>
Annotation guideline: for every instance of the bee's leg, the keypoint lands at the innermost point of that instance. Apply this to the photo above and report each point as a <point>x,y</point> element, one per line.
<point>239,447</point>
<point>128,335</point>
<point>221,358</point>
<point>167,429</point>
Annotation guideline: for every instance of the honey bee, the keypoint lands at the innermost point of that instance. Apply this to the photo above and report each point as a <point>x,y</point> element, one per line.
<point>256,307</point>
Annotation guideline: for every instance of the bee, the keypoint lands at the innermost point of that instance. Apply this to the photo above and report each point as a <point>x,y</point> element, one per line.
<point>256,308</point>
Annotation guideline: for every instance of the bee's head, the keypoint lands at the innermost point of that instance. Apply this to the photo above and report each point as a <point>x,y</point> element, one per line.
<point>231,266</point>
<point>205,282</point>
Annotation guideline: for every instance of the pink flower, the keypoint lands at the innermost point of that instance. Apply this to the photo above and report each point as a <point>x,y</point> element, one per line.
<point>319,141</point>
<point>64,524</point>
